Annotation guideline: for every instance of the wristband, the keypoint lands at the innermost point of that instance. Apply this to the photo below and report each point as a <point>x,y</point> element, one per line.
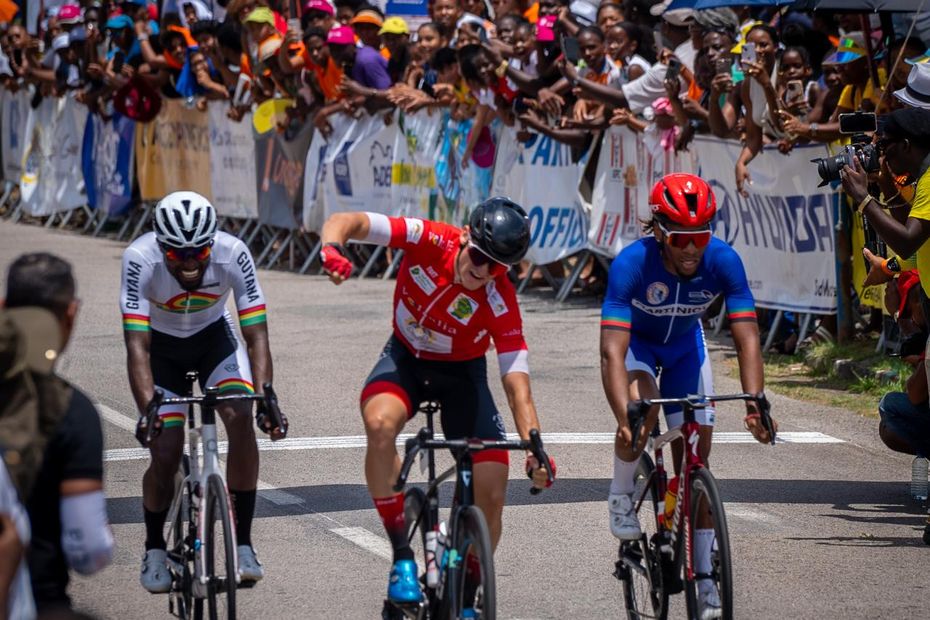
<point>813,129</point>
<point>885,269</point>
<point>338,247</point>
<point>864,202</point>
<point>501,70</point>
<point>142,37</point>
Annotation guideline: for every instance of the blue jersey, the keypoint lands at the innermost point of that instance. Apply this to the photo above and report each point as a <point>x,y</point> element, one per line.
<point>659,307</point>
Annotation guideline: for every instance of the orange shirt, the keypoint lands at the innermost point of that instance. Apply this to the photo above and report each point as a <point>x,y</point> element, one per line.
<point>328,78</point>
<point>532,13</point>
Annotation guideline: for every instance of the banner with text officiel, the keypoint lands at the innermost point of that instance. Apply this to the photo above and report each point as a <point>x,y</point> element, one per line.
<point>232,163</point>
<point>51,179</point>
<point>15,110</point>
<point>783,230</point>
<point>173,152</point>
<point>541,176</point>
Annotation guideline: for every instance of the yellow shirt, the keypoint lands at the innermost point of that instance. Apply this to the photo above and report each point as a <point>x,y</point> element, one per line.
<point>920,209</point>
<point>852,96</point>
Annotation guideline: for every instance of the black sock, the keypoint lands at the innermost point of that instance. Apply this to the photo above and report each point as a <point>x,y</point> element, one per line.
<point>243,508</point>
<point>154,529</point>
<point>403,553</point>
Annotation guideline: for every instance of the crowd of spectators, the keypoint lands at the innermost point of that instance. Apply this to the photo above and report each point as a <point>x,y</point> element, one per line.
<point>563,68</point>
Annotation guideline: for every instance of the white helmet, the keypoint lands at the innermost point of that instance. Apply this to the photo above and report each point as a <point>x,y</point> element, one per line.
<point>184,220</point>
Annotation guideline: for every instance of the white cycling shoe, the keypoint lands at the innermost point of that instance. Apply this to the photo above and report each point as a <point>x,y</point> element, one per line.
<point>624,524</point>
<point>708,601</point>
<point>155,576</point>
<point>250,569</point>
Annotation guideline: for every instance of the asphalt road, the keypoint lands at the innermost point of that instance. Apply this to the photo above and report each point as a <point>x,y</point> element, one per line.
<point>819,530</point>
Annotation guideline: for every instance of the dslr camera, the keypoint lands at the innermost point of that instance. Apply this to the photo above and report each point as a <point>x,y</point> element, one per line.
<point>857,125</point>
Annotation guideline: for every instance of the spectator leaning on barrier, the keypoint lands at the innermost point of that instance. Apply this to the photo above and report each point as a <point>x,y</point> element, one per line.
<point>67,507</point>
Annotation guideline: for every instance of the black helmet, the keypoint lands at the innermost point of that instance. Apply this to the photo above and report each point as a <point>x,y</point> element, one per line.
<point>500,229</point>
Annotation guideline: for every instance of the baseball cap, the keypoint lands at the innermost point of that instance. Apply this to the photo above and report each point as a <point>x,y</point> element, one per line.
<point>60,42</point>
<point>41,336</point>
<point>70,14</point>
<point>119,22</point>
<point>679,17</point>
<point>367,16</point>
<point>319,5</point>
<point>584,12</point>
<point>341,35</point>
<point>851,48</point>
<point>394,25</point>
<point>261,15</point>
<point>545,28</point>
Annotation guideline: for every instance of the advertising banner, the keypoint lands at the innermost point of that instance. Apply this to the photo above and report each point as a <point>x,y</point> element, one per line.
<point>544,180</point>
<point>620,196</point>
<point>359,164</point>
<point>783,230</point>
<point>232,163</point>
<point>51,178</point>
<point>279,168</point>
<point>413,172</point>
<point>107,162</point>
<point>173,152</point>
<point>15,110</point>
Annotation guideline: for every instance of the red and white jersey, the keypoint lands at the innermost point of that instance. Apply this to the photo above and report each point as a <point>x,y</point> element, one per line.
<point>435,317</point>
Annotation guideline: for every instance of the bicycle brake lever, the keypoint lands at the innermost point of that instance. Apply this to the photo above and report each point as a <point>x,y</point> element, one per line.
<point>536,448</point>
<point>765,416</point>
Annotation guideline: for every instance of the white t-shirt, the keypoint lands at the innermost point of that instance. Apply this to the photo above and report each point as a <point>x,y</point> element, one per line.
<point>21,604</point>
<point>645,89</point>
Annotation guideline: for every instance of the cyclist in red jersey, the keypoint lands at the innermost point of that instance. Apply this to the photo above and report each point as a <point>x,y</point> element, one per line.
<point>451,299</point>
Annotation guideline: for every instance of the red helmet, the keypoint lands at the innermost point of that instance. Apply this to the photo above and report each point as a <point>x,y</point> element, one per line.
<point>684,199</point>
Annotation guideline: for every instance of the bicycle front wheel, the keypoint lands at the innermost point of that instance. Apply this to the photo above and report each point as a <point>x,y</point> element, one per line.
<point>705,500</point>
<point>220,551</point>
<point>474,559</point>
<point>179,554</point>
<point>639,565</point>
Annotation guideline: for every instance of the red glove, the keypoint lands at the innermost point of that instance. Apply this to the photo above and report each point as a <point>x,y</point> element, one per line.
<point>335,261</point>
<point>531,460</point>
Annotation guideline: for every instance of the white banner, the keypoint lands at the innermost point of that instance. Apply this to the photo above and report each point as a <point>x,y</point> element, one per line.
<point>620,195</point>
<point>358,165</point>
<point>15,110</point>
<point>232,164</point>
<point>783,230</point>
<point>413,173</point>
<point>313,177</point>
<point>52,178</point>
<point>544,180</point>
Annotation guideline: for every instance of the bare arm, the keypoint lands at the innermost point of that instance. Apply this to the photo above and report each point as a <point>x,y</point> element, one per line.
<point>256,342</point>
<point>614,345</point>
<point>138,346</point>
<point>340,227</point>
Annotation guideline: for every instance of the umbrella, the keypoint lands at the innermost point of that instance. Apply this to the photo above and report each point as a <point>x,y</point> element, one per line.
<point>906,6</point>
<point>713,4</point>
<point>8,10</point>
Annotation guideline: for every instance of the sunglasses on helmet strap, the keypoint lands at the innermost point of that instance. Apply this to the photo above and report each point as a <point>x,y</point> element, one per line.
<point>681,239</point>
<point>201,253</point>
<point>478,258</point>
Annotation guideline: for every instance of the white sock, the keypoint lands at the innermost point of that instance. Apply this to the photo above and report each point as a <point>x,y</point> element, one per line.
<point>624,473</point>
<point>703,544</point>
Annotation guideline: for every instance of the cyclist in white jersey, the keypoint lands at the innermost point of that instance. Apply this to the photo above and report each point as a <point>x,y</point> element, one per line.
<point>175,283</point>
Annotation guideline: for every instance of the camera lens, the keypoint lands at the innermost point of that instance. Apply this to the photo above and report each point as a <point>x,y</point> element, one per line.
<point>829,168</point>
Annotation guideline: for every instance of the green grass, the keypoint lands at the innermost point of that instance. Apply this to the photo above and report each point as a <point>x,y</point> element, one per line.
<point>811,376</point>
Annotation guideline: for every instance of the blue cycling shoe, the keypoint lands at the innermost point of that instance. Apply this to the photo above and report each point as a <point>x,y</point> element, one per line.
<point>469,612</point>
<point>403,585</point>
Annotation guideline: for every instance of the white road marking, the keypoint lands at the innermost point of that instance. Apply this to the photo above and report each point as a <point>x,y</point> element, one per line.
<point>366,540</point>
<point>116,418</point>
<point>358,441</point>
<point>750,514</point>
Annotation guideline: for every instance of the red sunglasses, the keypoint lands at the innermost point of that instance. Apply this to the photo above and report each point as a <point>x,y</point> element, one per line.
<point>681,239</point>
<point>479,258</point>
<point>183,254</point>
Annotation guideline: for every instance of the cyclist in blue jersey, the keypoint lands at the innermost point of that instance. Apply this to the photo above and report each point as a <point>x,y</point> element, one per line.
<point>652,343</point>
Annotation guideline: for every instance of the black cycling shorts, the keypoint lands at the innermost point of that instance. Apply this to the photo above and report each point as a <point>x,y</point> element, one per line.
<point>214,352</point>
<point>460,388</point>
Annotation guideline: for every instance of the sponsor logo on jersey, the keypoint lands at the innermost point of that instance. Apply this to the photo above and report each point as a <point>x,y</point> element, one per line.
<point>435,239</point>
<point>194,301</point>
<point>656,293</point>
<point>463,308</point>
<point>231,367</point>
<point>480,335</point>
<point>422,280</point>
<point>431,271</point>
<point>498,306</point>
<point>703,295</point>
<point>414,229</point>
<point>672,310</point>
